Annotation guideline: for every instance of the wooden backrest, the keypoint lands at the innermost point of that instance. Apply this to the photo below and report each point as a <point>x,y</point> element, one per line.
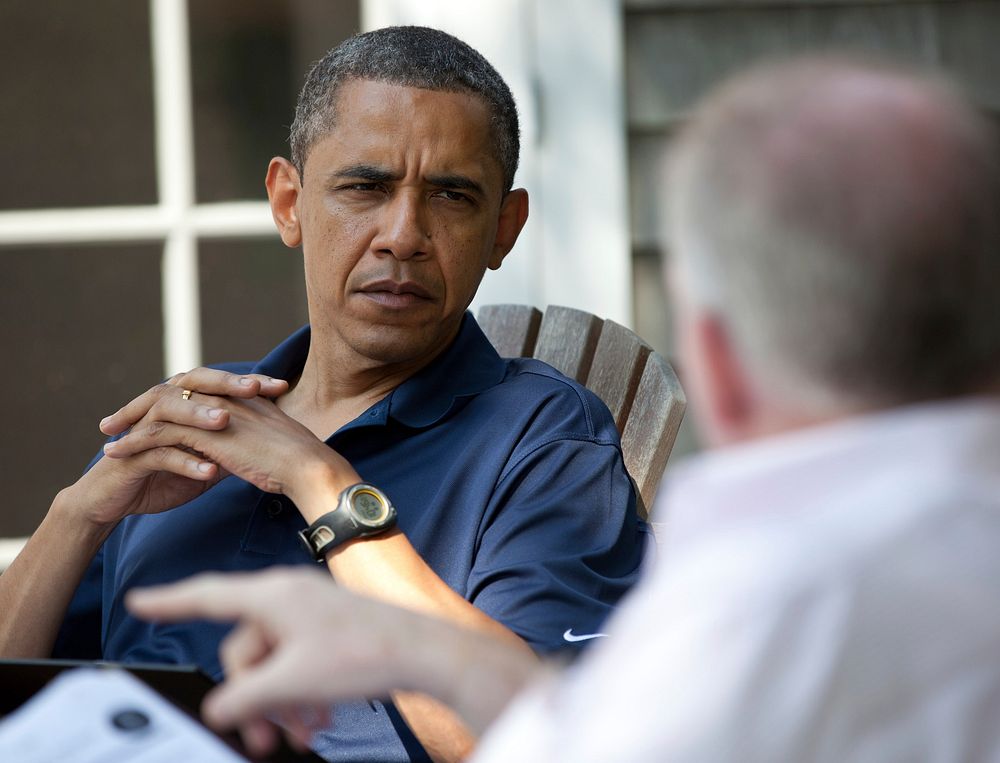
<point>638,385</point>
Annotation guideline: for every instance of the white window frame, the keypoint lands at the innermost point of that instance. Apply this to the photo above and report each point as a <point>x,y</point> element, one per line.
<point>176,220</point>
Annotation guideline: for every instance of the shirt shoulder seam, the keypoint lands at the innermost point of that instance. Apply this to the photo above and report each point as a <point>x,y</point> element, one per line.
<point>557,437</point>
<point>572,384</point>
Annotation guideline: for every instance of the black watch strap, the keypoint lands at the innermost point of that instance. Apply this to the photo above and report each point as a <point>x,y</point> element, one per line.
<point>362,511</point>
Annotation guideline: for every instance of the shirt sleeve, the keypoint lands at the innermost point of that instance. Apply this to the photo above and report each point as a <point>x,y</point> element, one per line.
<point>562,545</point>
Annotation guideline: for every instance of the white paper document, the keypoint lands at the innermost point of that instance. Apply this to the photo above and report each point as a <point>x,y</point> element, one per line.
<point>105,716</point>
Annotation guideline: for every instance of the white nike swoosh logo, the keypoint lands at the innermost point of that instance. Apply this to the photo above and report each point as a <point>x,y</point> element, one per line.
<point>569,636</point>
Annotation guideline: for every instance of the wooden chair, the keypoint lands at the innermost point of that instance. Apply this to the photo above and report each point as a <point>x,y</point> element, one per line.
<point>638,385</point>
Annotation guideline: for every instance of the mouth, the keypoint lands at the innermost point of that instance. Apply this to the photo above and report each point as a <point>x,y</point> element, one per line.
<point>398,294</point>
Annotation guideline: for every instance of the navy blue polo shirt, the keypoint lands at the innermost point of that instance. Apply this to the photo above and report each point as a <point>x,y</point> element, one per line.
<point>508,480</point>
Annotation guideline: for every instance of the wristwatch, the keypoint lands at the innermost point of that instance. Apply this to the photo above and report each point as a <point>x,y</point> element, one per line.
<point>362,510</point>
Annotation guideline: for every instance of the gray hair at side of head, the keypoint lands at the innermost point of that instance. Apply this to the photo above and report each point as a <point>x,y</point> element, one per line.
<point>410,56</point>
<point>842,218</point>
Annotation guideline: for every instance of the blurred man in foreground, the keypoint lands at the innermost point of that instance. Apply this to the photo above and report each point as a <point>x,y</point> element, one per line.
<point>831,573</point>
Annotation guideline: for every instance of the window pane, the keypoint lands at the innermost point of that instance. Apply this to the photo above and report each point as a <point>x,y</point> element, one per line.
<point>78,119</point>
<point>252,297</point>
<point>248,60</point>
<point>82,329</point>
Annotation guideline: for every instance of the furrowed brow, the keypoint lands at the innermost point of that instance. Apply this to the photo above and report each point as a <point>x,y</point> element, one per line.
<point>367,172</point>
<point>456,182</point>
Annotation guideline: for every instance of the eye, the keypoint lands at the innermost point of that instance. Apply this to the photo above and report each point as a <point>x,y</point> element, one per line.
<point>452,196</point>
<point>364,187</point>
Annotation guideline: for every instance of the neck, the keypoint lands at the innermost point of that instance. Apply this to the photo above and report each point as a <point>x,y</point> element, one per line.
<point>338,384</point>
<point>768,415</point>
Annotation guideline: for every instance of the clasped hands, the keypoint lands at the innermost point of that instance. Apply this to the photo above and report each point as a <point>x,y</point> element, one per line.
<point>175,445</point>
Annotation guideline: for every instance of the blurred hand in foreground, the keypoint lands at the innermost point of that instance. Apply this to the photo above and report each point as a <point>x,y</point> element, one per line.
<point>301,642</point>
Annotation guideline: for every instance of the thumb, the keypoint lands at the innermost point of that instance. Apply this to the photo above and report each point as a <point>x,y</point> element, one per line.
<point>257,691</point>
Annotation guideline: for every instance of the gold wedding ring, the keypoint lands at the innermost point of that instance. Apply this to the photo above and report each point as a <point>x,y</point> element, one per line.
<point>186,394</point>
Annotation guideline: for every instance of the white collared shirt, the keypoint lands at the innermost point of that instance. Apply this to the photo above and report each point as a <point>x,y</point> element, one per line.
<point>827,595</point>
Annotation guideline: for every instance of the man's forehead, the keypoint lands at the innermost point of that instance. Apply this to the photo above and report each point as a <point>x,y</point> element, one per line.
<point>381,125</point>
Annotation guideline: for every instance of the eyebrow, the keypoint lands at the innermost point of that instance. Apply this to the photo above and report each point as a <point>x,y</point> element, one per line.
<point>458,182</point>
<point>374,174</point>
<point>369,172</point>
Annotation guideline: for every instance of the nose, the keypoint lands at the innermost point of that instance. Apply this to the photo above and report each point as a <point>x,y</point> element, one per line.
<point>403,230</point>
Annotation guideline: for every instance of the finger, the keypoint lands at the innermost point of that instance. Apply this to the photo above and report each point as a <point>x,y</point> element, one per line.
<point>206,381</point>
<point>296,728</point>
<point>176,461</point>
<point>246,645</point>
<point>155,434</point>
<point>135,409</point>
<point>271,685</point>
<point>315,717</point>
<point>211,596</point>
<point>260,736</point>
<point>200,411</point>
<point>214,381</point>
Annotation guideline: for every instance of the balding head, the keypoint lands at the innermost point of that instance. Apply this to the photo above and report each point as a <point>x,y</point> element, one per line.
<point>843,220</point>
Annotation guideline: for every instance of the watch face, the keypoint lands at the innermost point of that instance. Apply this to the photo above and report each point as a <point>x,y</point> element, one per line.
<point>369,508</point>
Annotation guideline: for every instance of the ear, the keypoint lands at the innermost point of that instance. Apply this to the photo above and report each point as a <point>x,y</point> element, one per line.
<point>513,214</point>
<point>283,188</point>
<point>725,393</point>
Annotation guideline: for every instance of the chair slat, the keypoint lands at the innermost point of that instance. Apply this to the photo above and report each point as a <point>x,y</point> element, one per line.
<point>618,363</point>
<point>567,340</point>
<point>638,385</point>
<point>652,426</point>
<point>511,329</point>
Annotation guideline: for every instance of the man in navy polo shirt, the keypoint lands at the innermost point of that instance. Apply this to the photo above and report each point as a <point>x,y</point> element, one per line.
<point>489,492</point>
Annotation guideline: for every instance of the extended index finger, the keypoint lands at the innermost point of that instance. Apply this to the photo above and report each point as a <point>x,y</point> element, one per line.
<point>213,596</point>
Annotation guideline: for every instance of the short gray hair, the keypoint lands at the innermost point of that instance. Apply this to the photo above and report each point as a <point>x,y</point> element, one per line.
<point>411,56</point>
<point>842,216</point>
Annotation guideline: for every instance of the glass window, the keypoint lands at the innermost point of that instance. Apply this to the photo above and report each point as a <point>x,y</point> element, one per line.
<point>248,61</point>
<point>252,297</point>
<point>81,329</point>
<point>77,85</point>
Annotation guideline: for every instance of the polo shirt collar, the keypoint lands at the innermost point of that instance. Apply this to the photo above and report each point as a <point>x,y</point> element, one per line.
<point>467,367</point>
<point>287,359</point>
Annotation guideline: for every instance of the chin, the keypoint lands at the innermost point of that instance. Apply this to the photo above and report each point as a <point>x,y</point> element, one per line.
<point>391,345</point>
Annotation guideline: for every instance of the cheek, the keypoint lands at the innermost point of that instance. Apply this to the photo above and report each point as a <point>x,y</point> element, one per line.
<point>333,223</point>
<point>464,271</point>
<point>334,243</point>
